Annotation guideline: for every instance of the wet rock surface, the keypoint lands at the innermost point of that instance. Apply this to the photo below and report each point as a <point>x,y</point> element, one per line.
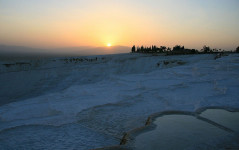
<point>206,128</point>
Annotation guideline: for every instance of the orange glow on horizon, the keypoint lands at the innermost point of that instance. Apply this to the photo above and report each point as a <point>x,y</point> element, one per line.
<point>121,23</point>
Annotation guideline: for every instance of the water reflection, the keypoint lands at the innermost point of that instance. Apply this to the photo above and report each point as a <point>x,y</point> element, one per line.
<point>211,129</point>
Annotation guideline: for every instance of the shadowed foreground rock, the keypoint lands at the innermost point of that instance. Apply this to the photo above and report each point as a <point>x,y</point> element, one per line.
<point>207,128</point>
<point>212,129</point>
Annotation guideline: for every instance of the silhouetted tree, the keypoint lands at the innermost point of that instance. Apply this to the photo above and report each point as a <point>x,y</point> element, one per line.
<point>206,49</point>
<point>178,48</point>
<point>214,50</point>
<point>138,49</point>
<point>237,50</point>
<point>163,48</point>
<point>142,49</point>
<point>133,49</point>
<point>194,51</point>
<point>154,48</point>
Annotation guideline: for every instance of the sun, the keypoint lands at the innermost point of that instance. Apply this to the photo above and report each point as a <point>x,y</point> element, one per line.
<point>109,45</point>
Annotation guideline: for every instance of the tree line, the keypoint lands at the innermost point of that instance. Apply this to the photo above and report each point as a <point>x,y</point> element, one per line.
<point>178,49</point>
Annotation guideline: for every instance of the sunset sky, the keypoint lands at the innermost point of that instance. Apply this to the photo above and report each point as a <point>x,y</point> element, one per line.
<point>73,23</point>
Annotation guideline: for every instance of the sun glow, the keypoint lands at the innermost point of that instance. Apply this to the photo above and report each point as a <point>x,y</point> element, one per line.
<point>109,45</point>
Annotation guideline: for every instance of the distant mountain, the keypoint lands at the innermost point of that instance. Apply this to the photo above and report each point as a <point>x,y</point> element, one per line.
<point>84,50</point>
<point>6,50</point>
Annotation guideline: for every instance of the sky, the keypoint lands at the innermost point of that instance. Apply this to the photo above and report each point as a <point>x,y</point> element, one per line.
<point>75,23</point>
